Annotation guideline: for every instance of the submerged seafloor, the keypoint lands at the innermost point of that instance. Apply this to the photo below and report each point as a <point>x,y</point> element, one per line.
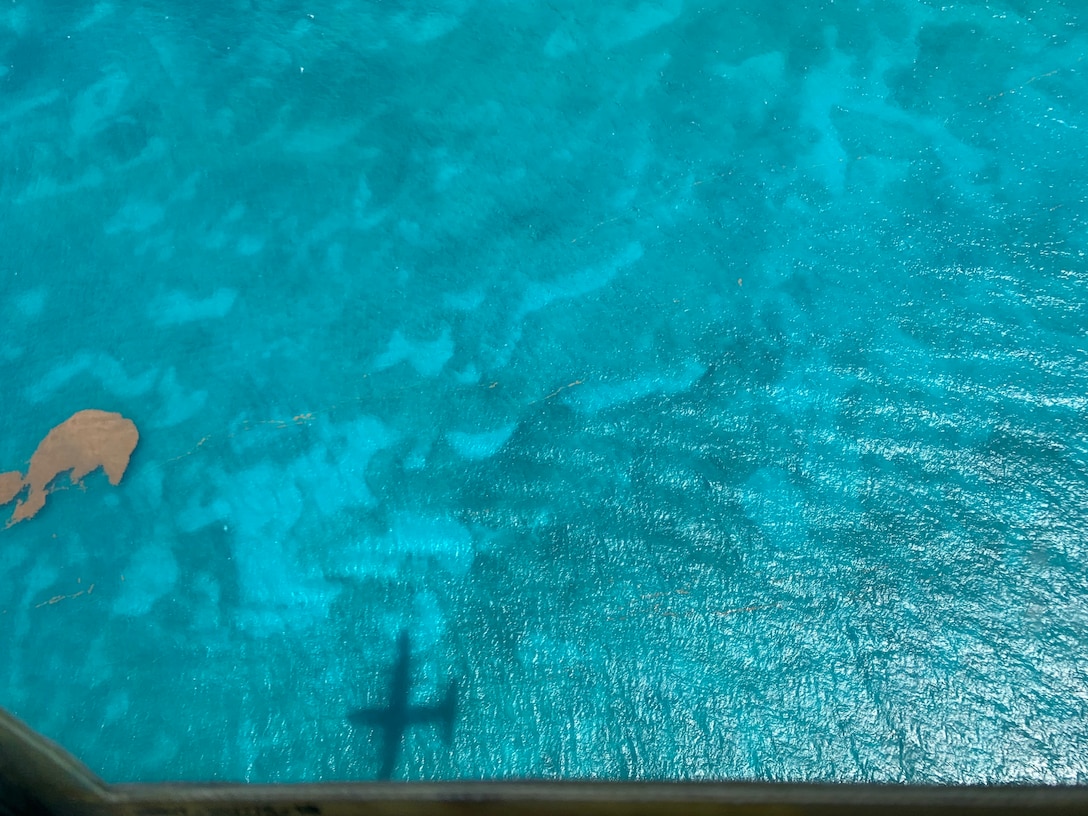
<point>631,390</point>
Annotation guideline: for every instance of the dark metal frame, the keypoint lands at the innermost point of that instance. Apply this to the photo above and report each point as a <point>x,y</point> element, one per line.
<point>37,776</point>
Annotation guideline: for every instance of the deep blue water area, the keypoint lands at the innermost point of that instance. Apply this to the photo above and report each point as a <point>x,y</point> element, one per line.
<point>626,390</point>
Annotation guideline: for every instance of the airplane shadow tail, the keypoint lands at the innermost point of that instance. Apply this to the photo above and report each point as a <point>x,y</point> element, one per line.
<point>446,712</point>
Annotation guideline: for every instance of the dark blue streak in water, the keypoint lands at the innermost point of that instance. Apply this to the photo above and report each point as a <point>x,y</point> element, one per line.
<point>702,386</point>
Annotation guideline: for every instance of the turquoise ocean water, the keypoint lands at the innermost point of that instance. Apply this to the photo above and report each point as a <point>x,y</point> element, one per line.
<point>632,390</point>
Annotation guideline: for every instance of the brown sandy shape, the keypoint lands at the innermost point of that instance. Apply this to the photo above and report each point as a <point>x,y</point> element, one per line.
<point>11,485</point>
<point>84,442</point>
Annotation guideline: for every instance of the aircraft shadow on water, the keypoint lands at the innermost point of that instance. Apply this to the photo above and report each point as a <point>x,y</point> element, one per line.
<point>397,717</point>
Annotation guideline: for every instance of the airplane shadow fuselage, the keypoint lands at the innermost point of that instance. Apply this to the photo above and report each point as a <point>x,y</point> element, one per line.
<point>397,717</point>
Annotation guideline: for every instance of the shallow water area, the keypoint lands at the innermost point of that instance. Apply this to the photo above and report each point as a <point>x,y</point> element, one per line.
<point>649,390</point>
